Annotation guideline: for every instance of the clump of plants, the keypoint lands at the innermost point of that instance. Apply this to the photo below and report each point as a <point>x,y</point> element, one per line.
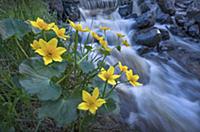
<point>71,79</point>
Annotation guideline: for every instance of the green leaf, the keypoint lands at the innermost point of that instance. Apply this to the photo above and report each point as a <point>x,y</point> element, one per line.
<point>87,66</point>
<point>62,111</point>
<point>13,27</point>
<point>36,78</point>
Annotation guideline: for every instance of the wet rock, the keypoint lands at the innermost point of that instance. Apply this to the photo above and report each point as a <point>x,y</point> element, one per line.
<point>145,20</point>
<point>162,17</point>
<point>144,7</point>
<point>150,37</point>
<point>164,34</point>
<point>56,6</point>
<point>180,19</point>
<point>194,30</point>
<point>167,6</point>
<point>177,31</point>
<point>193,11</point>
<point>65,9</point>
<point>125,8</point>
<point>133,15</point>
<point>71,10</point>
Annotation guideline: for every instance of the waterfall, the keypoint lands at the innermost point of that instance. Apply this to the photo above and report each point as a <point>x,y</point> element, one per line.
<point>169,101</point>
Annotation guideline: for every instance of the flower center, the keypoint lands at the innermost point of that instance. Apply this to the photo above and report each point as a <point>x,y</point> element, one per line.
<point>42,24</point>
<point>107,76</point>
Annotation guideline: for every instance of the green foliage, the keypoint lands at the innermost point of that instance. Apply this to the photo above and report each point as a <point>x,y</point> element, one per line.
<point>12,27</point>
<point>63,111</point>
<point>36,78</point>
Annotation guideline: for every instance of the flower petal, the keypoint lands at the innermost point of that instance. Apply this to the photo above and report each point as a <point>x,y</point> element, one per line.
<point>112,82</point>
<point>57,58</point>
<point>136,77</point>
<point>53,42</point>
<point>93,109</point>
<point>60,50</point>
<point>111,70</point>
<point>40,52</point>
<point>86,96</point>
<point>114,77</point>
<point>47,60</point>
<point>100,102</point>
<point>95,93</point>
<point>83,106</point>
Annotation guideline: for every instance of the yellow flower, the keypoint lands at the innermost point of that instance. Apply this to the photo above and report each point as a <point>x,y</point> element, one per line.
<point>60,32</point>
<point>122,68</point>
<point>125,42</point>
<point>96,36</point>
<point>120,35</point>
<point>38,44</point>
<point>41,24</point>
<point>50,52</point>
<point>104,44</point>
<point>104,28</point>
<point>91,102</point>
<point>133,78</point>
<point>78,27</point>
<point>108,75</point>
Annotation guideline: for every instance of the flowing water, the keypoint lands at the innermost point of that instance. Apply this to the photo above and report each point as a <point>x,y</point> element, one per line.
<point>169,101</point>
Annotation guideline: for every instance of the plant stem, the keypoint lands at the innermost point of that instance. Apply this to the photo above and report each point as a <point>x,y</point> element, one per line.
<point>75,47</point>
<point>111,90</point>
<point>104,90</point>
<point>21,48</point>
<point>38,125</point>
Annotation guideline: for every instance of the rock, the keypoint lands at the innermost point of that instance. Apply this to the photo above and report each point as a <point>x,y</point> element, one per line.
<point>71,10</point>
<point>145,20</point>
<point>56,6</point>
<point>133,15</point>
<point>167,6</point>
<point>162,17</point>
<point>144,7</point>
<point>180,19</point>
<point>193,11</point>
<point>176,31</point>
<point>194,30</point>
<point>164,34</point>
<point>125,8</point>
<point>150,37</point>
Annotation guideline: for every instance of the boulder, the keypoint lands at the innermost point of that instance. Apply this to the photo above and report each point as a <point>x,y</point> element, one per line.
<point>162,17</point>
<point>125,8</point>
<point>194,31</point>
<point>164,34</point>
<point>150,37</point>
<point>167,6</point>
<point>145,20</point>
<point>193,11</point>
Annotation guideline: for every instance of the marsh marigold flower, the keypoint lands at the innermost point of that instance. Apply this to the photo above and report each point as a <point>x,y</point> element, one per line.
<point>122,68</point>
<point>125,42</point>
<point>104,28</point>
<point>91,102</point>
<point>60,32</point>
<point>133,79</point>
<point>120,35</point>
<point>108,75</point>
<point>104,44</point>
<point>96,36</point>
<point>78,27</point>
<point>50,52</point>
<point>37,44</point>
<point>41,24</point>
